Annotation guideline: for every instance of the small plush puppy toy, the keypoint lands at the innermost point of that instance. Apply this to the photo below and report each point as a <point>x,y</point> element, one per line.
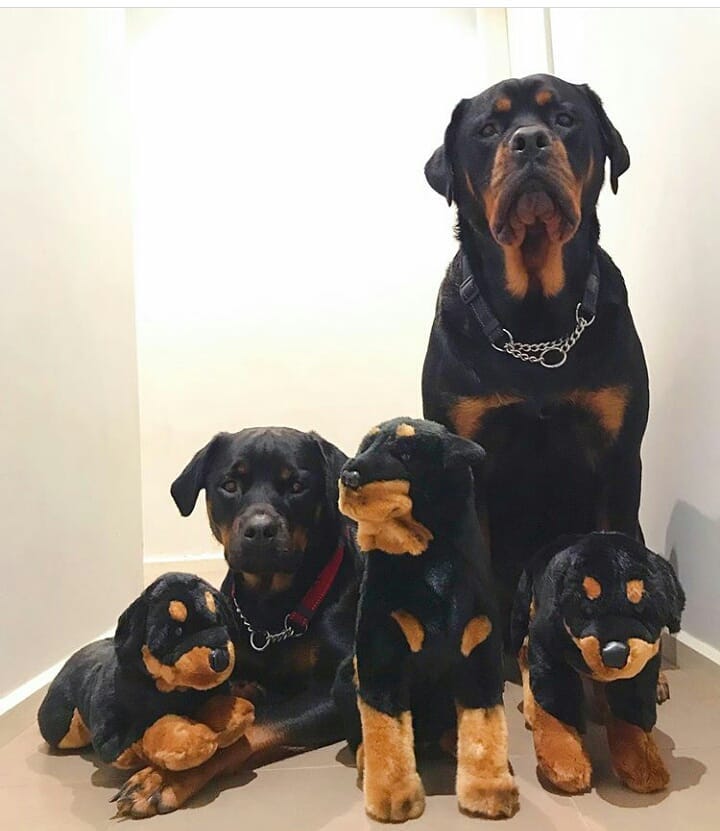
<point>428,651</point>
<point>157,692</point>
<point>595,606</point>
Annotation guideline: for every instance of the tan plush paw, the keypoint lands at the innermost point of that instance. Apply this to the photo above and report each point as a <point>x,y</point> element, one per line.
<point>636,759</point>
<point>395,801</point>
<point>662,690</point>
<point>178,743</point>
<point>561,757</point>
<point>492,798</point>
<point>228,716</point>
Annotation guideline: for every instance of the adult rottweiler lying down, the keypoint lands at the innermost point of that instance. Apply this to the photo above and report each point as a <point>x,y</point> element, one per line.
<point>595,606</point>
<point>272,497</point>
<point>158,690</point>
<point>533,352</point>
<point>428,650</point>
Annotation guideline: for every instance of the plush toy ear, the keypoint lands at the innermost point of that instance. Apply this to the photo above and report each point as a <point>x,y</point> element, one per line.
<point>185,489</point>
<point>674,596</point>
<point>438,169</point>
<point>130,631</point>
<point>464,452</point>
<point>333,459</point>
<point>613,143</point>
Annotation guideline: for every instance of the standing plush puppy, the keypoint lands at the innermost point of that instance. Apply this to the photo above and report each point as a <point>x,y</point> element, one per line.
<point>428,650</point>
<point>595,606</point>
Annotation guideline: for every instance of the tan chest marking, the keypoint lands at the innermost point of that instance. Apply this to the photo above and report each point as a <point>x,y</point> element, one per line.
<point>607,404</point>
<point>467,413</point>
<point>476,631</point>
<point>411,628</point>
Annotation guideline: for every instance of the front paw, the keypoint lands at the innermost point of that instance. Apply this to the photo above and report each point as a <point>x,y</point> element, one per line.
<point>148,792</point>
<point>394,801</point>
<point>492,798</point>
<point>635,758</point>
<point>561,757</point>
<point>228,716</point>
<point>177,743</point>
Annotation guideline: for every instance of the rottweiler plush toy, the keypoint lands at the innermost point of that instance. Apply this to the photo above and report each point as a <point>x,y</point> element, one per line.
<point>428,649</point>
<point>157,692</point>
<point>595,606</point>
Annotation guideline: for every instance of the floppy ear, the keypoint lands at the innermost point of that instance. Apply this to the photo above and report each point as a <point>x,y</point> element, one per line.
<point>130,631</point>
<point>674,595</point>
<point>185,489</point>
<point>438,169</point>
<point>613,143</point>
<point>333,460</point>
<point>461,452</point>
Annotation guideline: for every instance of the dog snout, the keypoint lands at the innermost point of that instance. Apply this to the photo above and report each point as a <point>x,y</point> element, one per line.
<point>615,654</point>
<point>261,528</point>
<point>528,143</point>
<point>350,478</point>
<point>219,659</point>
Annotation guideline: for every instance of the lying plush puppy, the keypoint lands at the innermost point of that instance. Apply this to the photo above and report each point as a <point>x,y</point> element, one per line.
<point>428,650</point>
<point>158,691</point>
<point>595,606</point>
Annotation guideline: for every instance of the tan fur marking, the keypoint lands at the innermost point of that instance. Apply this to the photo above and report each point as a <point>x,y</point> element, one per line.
<point>635,589</point>
<point>190,670</point>
<point>251,580</point>
<point>227,715</point>
<point>469,184</point>
<point>280,582</point>
<point>502,105</point>
<point>131,757</point>
<point>528,697</point>
<point>383,511</point>
<point>178,743</point>
<point>476,631</point>
<point>404,430</point>
<point>484,786</point>
<point>411,628</point>
<point>393,790</point>
<point>210,602</point>
<point>560,753</point>
<point>640,653</point>
<point>608,405</point>
<point>304,657</point>
<point>592,588</point>
<point>177,611</point>
<point>77,735</point>
<point>373,431</point>
<point>285,473</point>
<point>467,412</point>
<point>635,757</point>
<point>543,97</point>
<point>299,539</point>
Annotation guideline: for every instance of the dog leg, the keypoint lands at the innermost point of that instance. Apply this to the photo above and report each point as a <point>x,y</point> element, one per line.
<point>178,743</point>
<point>228,716</point>
<point>528,699</point>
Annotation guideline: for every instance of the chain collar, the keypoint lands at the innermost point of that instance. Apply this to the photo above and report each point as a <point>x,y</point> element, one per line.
<point>260,639</point>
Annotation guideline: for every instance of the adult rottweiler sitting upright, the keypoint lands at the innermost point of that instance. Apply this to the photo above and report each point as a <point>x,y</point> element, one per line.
<point>533,352</point>
<point>272,497</point>
<point>428,650</point>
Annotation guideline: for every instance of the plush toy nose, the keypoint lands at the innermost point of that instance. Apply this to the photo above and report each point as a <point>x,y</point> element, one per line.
<point>351,479</point>
<point>219,659</point>
<point>615,654</point>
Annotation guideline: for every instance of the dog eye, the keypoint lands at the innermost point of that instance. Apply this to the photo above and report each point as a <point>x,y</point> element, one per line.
<point>488,130</point>
<point>229,486</point>
<point>297,487</point>
<point>564,119</point>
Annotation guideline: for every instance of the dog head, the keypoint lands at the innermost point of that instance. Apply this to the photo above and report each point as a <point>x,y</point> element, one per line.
<point>525,161</point>
<point>180,632</point>
<point>614,597</point>
<point>271,496</point>
<point>403,470</point>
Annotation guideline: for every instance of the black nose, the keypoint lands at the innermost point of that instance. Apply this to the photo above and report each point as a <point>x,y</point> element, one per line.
<point>219,659</point>
<point>529,142</point>
<point>261,528</point>
<point>615,654</point>
<point>350,478</point>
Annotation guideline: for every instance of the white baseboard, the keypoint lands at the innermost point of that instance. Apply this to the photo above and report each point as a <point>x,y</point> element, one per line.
<point>182,558</point>
<point>704,649</point>
<point>19,694</point>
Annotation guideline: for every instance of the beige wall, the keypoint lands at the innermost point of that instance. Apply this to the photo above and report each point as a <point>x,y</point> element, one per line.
<point>657,72</point>
<point>70,522</point>
<point>288,250</point>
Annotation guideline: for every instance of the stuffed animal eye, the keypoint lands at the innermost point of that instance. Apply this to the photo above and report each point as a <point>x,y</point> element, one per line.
<point>177,631</point>
<point>488,130</point>
<point>297,487</point>
<point>564,119</point>
<point>229,486</point>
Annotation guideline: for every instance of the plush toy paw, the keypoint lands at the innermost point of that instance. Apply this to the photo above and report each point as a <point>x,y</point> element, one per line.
<point>635,758</point>
<point>662,690</point>
<point>178,743</point>
<point>228,716</point>
<point>393,800</point>
<point>561,757</point>
<point>491,798</point>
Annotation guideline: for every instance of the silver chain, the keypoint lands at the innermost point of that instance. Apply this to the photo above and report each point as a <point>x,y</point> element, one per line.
<point>268,637</point>
<point>541,353</point>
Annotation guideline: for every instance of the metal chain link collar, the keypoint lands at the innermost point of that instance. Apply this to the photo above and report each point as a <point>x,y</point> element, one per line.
<point>288,631</point>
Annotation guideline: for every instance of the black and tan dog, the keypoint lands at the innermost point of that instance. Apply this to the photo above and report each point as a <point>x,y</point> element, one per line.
<point>158,691</point>
<point>561,422</point>
<point>427,651</point>
<point>595,606</point>
<point>271,497</point>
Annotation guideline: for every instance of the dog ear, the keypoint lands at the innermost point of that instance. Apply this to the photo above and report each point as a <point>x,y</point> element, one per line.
<point>464,452</point>
<point>674,596</point>
<point>333,460</point>
<point>438,169</point>
<point>185,489</point>
<point>613,143</point>
<point>130,631</point>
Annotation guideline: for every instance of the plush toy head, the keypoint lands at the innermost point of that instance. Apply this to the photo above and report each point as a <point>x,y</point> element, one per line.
<point>614,597</point>
<point>179,631</point>
<point>402,470</point>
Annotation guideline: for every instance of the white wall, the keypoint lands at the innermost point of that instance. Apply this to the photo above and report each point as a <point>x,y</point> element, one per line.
<point>70,523</point>
<point>657,71</point>
<point>288,250</point>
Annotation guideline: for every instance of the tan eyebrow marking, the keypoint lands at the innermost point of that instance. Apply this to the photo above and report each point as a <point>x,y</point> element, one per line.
<point>210,602</point>
<point>285,473</point>
<point>177,610</point>
<point>405,430</point>
<point>543,97</point>
<point>634,589</point>
<point>502,105</point>
<point>592,588</point>
<point>476,631</point>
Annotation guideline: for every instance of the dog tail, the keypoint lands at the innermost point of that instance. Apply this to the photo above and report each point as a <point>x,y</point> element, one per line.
<point>520,618</point>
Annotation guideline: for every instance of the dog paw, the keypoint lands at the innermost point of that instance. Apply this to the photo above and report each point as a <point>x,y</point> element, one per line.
<point>395,801</point>
<point>490,798</point>
<point>148,792</point>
